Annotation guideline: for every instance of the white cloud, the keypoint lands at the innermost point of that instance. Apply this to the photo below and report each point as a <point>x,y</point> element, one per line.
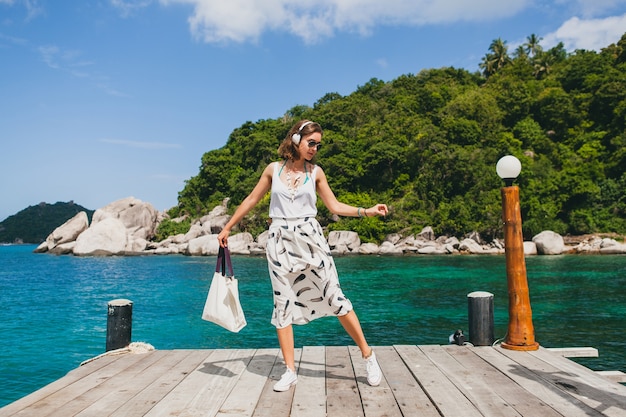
<point>592,8</point>
<point>217,21</point>
<point>590,34</point>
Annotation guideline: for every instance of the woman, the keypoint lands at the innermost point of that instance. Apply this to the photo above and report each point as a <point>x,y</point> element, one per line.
<point>302,271</point>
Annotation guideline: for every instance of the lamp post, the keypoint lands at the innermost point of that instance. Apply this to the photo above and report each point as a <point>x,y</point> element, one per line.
<point>521,334</point>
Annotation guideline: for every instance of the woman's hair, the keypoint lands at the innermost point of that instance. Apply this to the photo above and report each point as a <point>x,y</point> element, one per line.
<point>288,149</point>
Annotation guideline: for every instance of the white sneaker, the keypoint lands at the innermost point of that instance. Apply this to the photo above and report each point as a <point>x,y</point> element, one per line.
<point>288,379</point>
<point>374,374</point>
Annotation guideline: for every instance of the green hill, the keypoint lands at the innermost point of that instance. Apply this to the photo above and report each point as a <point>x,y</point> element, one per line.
<point>427,145</point>
<point>35,223</point>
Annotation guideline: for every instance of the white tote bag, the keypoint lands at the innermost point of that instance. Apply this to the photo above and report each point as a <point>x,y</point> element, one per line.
<point>222,305</point>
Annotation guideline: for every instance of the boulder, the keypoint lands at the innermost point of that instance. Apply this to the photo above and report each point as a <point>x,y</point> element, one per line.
<point>530,248</point>
<point>346,238</point>
<point>549,243</point>
<point>240,243</point>
<point>63,248</point>
<point>469,245</point>
<point>368,248</point>
<point>203,245</point>
<point>427,233</point>
<point>619,249</point>
<point>388,248</point>
<point>139,218</point>
<point>106,237</point>
<point>68,231</point>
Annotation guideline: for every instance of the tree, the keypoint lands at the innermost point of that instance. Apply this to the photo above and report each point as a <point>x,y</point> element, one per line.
<point>532,46</point>
<point>497,59</point>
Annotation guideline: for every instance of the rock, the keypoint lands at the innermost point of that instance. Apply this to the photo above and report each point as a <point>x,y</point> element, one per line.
<point>346,238</point>
<point>203,245</point>
<point>393,238</point>
<point>240,243</point>
<point>262,239</point>
<point>617,249</point>
<point>368,249</point>
<point>431,250</point>
<point>63,248</point>
<point>388,248</point>
<point>530,248</point>
<point>475,236</point>
<point>68,231</point>
<point>469,245</point>
<point>453,241</point>
<point>340,249</point>
<point>139,218</point>
<point>427,233</point>
<point>106,237</point>
<point>549,243</point>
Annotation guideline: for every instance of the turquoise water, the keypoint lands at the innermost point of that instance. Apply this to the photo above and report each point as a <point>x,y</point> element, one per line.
<point>54,308</point>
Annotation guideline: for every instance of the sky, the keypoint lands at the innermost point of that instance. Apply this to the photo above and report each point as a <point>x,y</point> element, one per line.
<point>106,99</point>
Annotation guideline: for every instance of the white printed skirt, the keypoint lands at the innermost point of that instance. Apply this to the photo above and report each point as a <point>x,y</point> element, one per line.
<point>303,273</point>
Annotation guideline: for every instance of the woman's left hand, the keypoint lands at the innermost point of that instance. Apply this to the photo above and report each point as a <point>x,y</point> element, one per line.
<point>377,209</point>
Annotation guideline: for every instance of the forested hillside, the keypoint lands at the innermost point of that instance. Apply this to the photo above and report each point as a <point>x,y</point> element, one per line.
<point>427,144</point>
<point>35,223</point>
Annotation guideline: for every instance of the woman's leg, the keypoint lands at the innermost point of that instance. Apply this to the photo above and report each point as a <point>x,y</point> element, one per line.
<point>285,340</point>
<point>351,324</point>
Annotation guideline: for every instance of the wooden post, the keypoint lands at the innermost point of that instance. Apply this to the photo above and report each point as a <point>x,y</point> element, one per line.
<point>521,333</point>
<point>119,324</point>
<point>480,315</point>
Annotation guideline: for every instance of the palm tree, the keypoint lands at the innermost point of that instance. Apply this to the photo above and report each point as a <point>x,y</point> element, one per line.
<point>487,65</point>
<point>500,53</point>
<point>532,45</point>
<point>520,53</point>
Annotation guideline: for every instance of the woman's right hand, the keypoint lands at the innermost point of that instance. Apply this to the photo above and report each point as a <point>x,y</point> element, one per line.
<point>222,238</point>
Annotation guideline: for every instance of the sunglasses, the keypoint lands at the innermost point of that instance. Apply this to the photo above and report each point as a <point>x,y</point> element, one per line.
<point>314,144</point>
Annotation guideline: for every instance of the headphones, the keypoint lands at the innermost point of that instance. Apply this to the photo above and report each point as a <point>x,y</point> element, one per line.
<point>296,136</point>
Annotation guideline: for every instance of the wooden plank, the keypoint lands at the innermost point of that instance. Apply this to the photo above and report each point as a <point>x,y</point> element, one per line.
<point>575,352</point>
<point>71,377</point>
<point>469,383</point>
<point>60,398</point>
<point>276,404</point>
<point>377,401</point>
<point>127,385</point>
<point>121,380</point>
<point>410,397</point>
<point>342,398</point>
<point>615,376</point>
<point>524,402</point>
<point>202,392</point>
<point>580,371</point>
<point>580,382</point>
<point>152,394</point>
<point>549,394</point>
<point>309,398</point>
<point>441,391</point>
<point>247,391</point>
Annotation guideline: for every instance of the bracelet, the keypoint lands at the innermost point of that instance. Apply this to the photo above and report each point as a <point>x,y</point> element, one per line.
<point>365,212</point>
<point>358,211</point>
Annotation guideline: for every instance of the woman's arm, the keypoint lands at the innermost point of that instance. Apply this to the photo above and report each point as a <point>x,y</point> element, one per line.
<point>339,208</point>
<point>261,188</point>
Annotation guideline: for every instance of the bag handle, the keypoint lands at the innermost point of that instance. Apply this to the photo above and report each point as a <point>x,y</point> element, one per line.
<point>223,261</point>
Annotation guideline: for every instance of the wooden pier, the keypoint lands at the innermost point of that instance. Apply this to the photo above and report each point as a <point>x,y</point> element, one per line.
<point>449,381</point>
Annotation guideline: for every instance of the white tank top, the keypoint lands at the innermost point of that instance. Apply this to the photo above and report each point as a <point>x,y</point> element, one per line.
<point>301,204</point>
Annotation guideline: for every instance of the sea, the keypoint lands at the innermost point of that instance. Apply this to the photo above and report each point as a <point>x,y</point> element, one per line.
<point>53,309</point>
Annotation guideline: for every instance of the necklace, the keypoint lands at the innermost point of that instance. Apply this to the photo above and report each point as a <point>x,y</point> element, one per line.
<point>292,187</point>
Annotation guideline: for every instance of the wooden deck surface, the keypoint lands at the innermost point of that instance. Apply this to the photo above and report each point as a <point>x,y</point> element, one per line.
<point>450,381</point>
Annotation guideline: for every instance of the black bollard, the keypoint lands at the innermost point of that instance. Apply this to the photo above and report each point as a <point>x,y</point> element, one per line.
<point>480,314</point>
<point>119,324</point>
